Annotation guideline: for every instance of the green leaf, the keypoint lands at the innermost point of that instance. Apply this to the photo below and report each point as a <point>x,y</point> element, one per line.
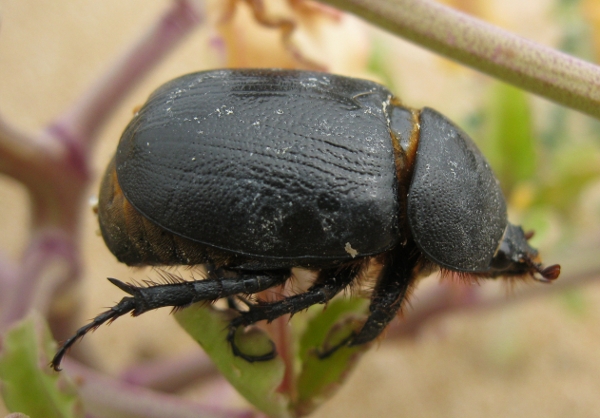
<point>540,219</point>
<point>269,386</point>
<point>257,382</point>
<point>379,63</point>
<point>320,378</point>
<point>509,144</point>
<point>27,383</point>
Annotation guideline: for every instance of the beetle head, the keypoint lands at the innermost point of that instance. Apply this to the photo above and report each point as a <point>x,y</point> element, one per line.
<point>515,257</point>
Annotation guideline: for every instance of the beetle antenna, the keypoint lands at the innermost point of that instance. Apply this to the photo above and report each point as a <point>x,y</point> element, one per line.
<point>549,274</point>
<point>126,305</point>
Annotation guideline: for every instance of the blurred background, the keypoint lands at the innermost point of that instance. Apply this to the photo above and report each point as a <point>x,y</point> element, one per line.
<point>534,353</point>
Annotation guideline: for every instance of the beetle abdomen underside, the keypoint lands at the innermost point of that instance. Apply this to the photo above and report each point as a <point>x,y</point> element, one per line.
<point>456,210</point>
<point>276,164</point>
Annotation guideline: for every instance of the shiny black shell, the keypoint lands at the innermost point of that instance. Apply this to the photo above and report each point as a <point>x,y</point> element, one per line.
<point>270,164</point>
<point>456,210</point>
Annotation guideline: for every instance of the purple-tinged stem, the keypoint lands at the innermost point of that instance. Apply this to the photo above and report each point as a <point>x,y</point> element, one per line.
<point>8,277</point>
<point>54,167</point>
<point>89,113</point>
<point>50,261</point>
<point>103,396</point>
<point>173,374</point>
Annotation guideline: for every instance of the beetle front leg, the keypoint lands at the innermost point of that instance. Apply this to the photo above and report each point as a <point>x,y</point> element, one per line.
<point>144,299</point>
<point>394,282</point>
<point>328,284</point>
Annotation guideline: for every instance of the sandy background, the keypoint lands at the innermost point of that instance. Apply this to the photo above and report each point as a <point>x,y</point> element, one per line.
<point>529,359</point>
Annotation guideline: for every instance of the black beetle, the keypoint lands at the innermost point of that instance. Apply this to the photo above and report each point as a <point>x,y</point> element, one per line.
<point>254,172</point>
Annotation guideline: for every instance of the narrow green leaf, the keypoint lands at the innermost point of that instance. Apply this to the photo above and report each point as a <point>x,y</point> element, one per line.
<point>257,382</point>
<point>27,383</point>
<point>379,64</point>
<point>509,144</point>
<point>541,219</point>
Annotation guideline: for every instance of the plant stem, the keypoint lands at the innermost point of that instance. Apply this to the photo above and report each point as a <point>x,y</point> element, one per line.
<point>89,113</point>
<point>104,396</point>
<point>541,70</point>
<point>54,166</point>
<point>173,374</point>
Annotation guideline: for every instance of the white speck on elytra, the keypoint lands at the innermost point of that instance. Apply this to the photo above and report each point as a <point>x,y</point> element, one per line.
<point>348,248</point>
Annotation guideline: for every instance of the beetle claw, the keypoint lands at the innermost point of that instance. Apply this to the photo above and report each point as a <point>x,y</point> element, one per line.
<point>325,353</point>
<point>270,355</point>
<point>125,287</point>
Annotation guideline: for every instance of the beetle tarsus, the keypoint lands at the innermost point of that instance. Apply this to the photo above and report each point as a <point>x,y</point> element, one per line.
<point>126,305</point>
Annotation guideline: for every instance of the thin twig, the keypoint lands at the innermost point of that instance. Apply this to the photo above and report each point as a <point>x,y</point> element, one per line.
<point>50,261</point>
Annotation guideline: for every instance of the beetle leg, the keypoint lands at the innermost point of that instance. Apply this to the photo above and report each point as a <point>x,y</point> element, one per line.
<point>181,294</point>
<point>233,302</point>
<point>393,284</point>
<point>328,284</point>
